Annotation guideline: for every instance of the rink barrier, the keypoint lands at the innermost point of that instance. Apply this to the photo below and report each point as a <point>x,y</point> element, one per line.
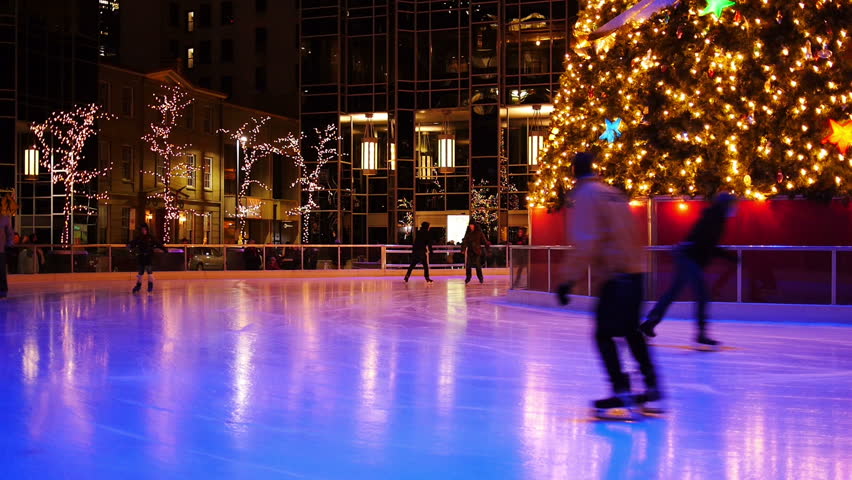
<point>765,274</point>
<point>39,260</point>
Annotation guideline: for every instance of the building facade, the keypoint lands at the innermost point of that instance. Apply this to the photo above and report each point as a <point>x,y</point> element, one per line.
<point>206,192</point>
<point>451,95</point>
<point>48,62</point>
<point>247,49</point>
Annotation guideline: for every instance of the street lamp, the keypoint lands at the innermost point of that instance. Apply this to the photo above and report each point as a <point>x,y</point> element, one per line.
<point>446,147</point>
<point>31,163</point>
<point>535,138</point>
<point>369,149</point>
<point>239,213</point>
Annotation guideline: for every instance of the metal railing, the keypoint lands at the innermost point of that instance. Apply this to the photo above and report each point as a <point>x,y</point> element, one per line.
<point>763,273</point>
<point>40,259</point>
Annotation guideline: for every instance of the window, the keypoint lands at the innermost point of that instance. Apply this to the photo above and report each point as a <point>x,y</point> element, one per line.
<point>207,173</point>
<point>127,101</point>
<point>190,58</point>
<point>174,14</point>
<point>204,55</point>
<point>227,13</point>
<point>190,21</point>
<point>260,79</point>
<point>126,163</point>
<point>191,166</point>
<point>260,6</point>
<point>204,15</point>
<point>207,119</point>
<point>189,116</point>
<point>104,154</point>
<point>174,50</point>
<point>227,50</point>
<point>260,40</point>
<point>103,95</point>
<point>125,224</point>
<point>228,84</point>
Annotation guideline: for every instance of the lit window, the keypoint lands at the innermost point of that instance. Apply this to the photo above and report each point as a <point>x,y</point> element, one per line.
<point>207,173</point>
<point>190,171</point>
<point>190,58</point>
<point>190,21</point>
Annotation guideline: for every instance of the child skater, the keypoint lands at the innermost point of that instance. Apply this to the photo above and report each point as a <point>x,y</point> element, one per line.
<point>144,245</point>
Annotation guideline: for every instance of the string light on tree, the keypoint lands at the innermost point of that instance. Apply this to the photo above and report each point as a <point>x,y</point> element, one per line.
<point>253,150</point>
<point>170,105</point>
<point>61,140</point>
<point>325,149</point>
<point>706,103</point>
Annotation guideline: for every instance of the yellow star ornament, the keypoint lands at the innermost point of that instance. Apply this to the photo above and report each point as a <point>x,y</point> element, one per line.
<point>841,135</point>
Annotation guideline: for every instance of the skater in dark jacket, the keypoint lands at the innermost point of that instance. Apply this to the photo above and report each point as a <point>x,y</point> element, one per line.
<point>421,251</point>
<point>8,207</point>
<point>691,258</point>
<point>143,246</point>
<point>475,244</point>
<point>606,238</point>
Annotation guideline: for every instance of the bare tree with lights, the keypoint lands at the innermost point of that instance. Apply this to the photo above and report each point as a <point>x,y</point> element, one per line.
<point>252,150</point>
<point>326,150</point>
<point>483,209</point>
<point>62,138</point>
<point>171,106</point>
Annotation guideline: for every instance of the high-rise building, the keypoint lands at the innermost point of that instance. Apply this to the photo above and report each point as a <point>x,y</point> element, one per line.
<point>108,29</point>
<point>48,62</point>
<point>441,105</point>
<point>247,49</point>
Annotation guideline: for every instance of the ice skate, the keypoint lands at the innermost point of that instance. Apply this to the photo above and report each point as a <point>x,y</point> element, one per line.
<point>137,287</point>
<point>150,287</point>
<point>706,344</point>
<point>620,407</point>
<point>647,327</point>
<point>651,402</point>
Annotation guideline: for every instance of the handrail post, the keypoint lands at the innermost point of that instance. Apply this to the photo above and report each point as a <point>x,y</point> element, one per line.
<point>109,258</point>
<point>549,272</point>
<point>385,257</point>
<point>224,258</point>
<point>71,257</point>
<point>739,275</point>
<point>185,258</point>
<point>834,276</point>
<point>339,257</point>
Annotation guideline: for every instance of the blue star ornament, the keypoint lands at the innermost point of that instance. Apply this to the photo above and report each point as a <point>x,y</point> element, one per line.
<point>613,130</point>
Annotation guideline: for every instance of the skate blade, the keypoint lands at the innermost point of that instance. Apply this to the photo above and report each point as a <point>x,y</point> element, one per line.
<point>653,411</point>
<point>708,348</point>
<point>619,414</point>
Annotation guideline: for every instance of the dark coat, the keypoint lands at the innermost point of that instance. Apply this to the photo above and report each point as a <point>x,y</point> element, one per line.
<point>702,243</point>
<point>144,246</point>
<point>475,241</point>
<point>422,242</point>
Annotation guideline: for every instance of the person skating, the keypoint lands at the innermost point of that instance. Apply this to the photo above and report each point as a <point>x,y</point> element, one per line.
<point>7,237</point>
<point>474,244</point>
<point>605,237</point>
<point>144,245</point>
<point>691,258</point>
<point>520,257</point>
<point>421,251</point>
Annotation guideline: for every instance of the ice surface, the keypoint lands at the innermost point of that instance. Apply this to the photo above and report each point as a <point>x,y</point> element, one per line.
<point>373,379</point>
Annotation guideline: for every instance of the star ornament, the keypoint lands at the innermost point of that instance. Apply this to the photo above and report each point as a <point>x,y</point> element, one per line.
<point>716,7</point>
<point>841,135</point>
<point>613,130</point>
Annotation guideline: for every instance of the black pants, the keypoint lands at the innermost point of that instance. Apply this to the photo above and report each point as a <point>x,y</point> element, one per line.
<point>4,285</point>
<point>688,271</point>
<point>618,312</point>
<point>419,258</point>
<point>473,261</point>
<point>144,264</point>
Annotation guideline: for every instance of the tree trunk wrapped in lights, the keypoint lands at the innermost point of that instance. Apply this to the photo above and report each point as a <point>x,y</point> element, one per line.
<point>692,97</point>
<point>326,150</point>
<point>61,139</point>
<point>252,150</point>
<point>171,106</point>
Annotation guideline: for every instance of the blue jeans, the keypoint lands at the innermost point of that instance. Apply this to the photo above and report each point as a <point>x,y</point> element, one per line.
<point>687,271</point>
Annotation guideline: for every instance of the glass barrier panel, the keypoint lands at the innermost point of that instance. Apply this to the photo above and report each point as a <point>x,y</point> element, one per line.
<point>369,258</point>
<point>123,260</point>
<point>320,258</point>
<point>170,261</point>
<point>520,269</point>
<point>844,278</point>
<point>399,257</point>
<point>538,270</point>
<point>90,259</point>
<point>496,257</point>
<point>794,277</point>
<point>447,257</point>
<point>205,258</point>
<point>720,277</point>
<point>29,259</point>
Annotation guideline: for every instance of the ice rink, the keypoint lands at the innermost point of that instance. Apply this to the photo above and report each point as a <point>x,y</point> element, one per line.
<point>370,378</point>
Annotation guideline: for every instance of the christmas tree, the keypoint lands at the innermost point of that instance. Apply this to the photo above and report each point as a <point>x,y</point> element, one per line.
<point>692,97</point>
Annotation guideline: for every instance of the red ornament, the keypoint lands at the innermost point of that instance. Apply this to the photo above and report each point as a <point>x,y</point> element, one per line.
<point>664,68</point>
<point>738,17</point>
<point>680,31</point>
<point>711,73</point>
<point>780,177</point>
